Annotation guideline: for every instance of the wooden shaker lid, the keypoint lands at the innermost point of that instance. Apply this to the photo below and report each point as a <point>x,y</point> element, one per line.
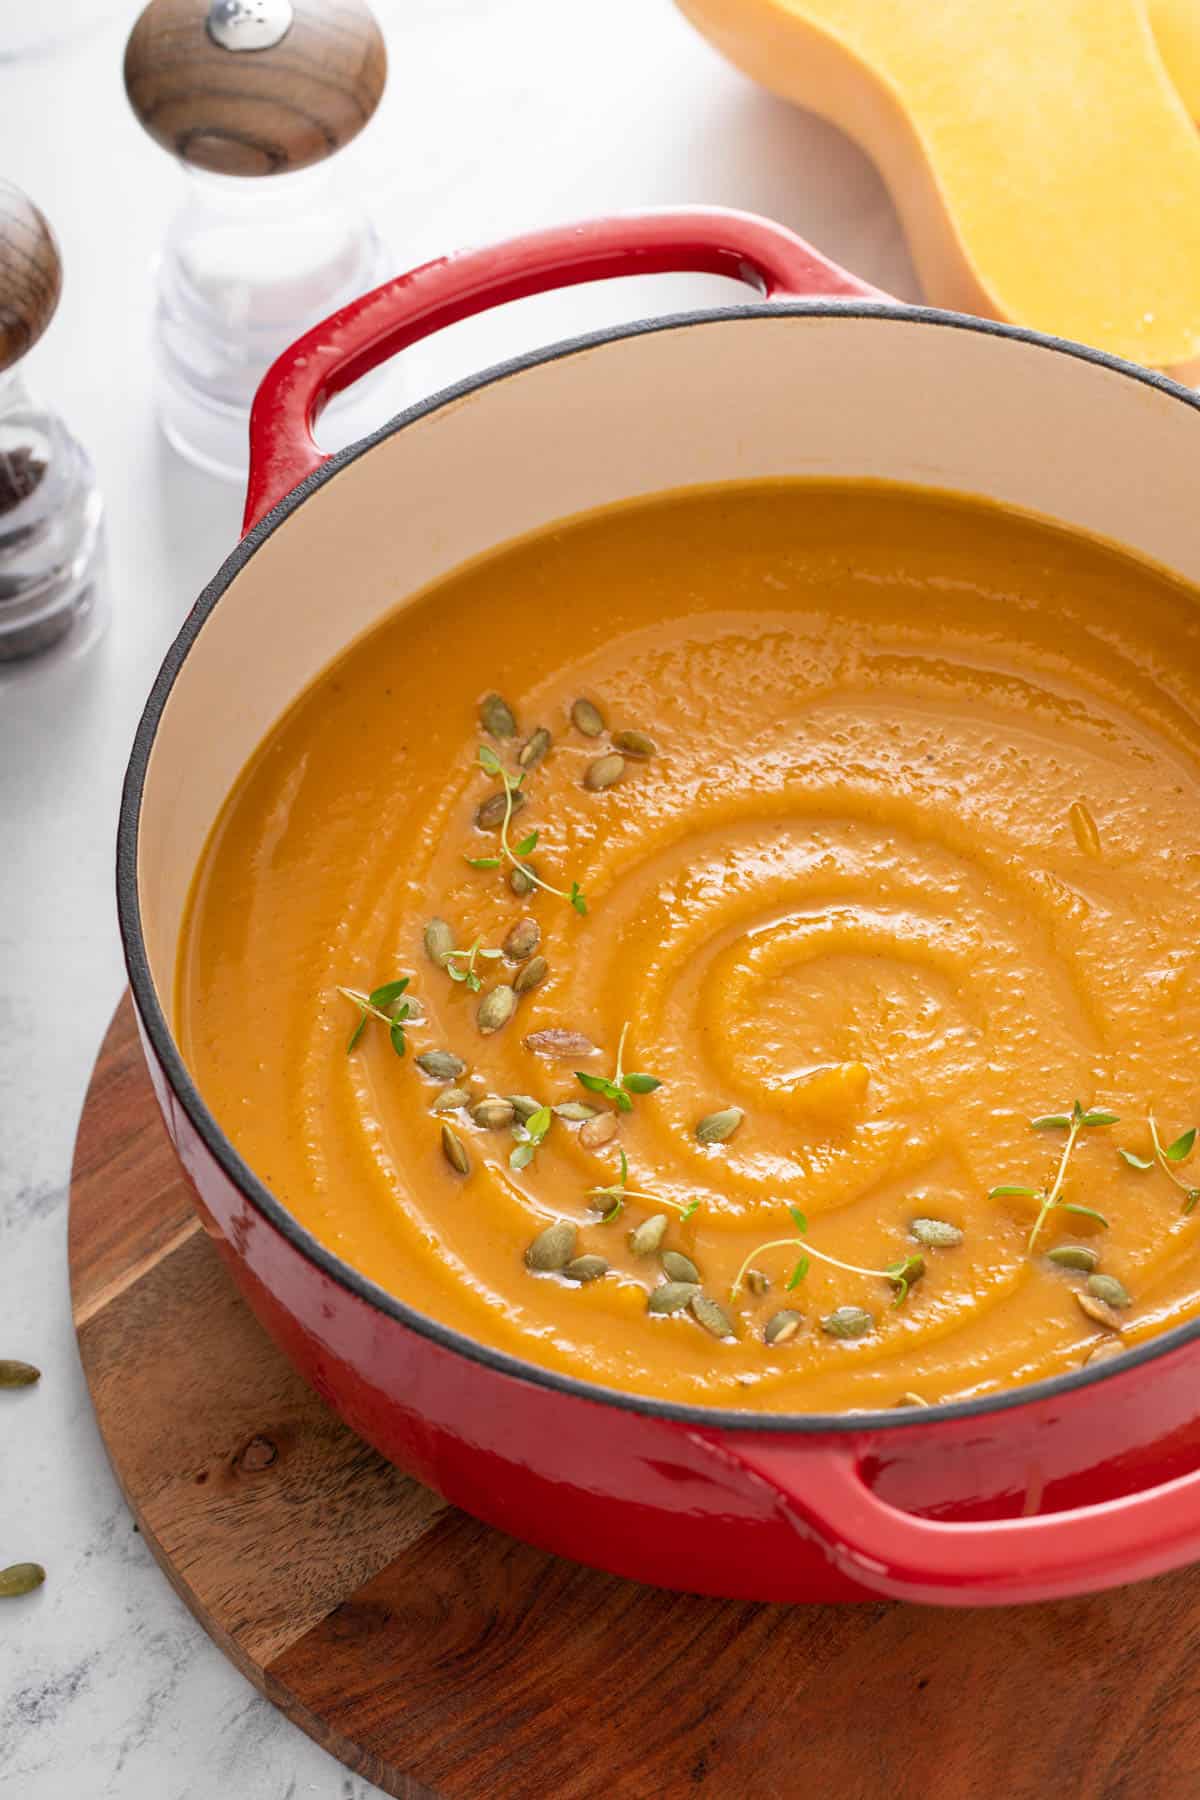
<point>254,87</point>
<point>30,275</point>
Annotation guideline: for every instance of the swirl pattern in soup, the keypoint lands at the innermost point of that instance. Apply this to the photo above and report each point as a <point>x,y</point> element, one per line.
<point>916,859</point>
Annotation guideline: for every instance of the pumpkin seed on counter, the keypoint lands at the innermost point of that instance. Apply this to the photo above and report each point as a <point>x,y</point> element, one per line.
<point>633,743</point>
<point>936,1234</point>
<point>553,1248</point>
<point>531,975</point>
<point>441,1065</point>
<point>18,1374</point>
<point>645,1238</point>
<point>782,1326</point>
<point>534,749</point>
<point>604,773</point>
<point>585,1268</point>
<point>455,1151</point>
<point>848,1322</point>
<point>587,718</point>
<point>522,940</point>
<point>497,717</point>
<point>20,1578</point>
<point>719,1127</point>
<point>496,1009</point>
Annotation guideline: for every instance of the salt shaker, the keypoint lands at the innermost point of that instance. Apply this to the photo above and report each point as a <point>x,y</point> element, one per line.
<point>253,97</point>
<point>51,516</point>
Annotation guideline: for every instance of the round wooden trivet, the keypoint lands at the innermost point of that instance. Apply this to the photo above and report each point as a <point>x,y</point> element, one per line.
<point>446,1662</point>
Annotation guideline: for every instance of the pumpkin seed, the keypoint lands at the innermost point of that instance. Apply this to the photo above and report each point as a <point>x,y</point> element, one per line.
<point>441,1065</point>
<point>645,1238</point>
<point>524,1105</point>
<point>1100,1311</point>
<point>599,1131</point>
<point>520,882</point>
<point>20,1578</point>
<point>587,718</point>
<point>757,1282</point>
<point>586,1268</point>
<point>604,773</point>
<point>717,1127</point>
<point>455,1151</point>
<point>534,750</point>
<point>439,941</point>
<point>522,940</point>
<point>671,1297</point>
<point>552,1248</point>
<point>496,716</point>
<point>782,1326</point>
<point>714,1318</point>
<point>495,1009</point>
<point>532,975</point>
<point>910,1399</point>
<point>848,1322</point>
<point>18,1374</point>
<point>936,1234</point>
<point>1108,1289</point>
<point>575,1112</point>
<point>416,1010</point>
<point>633,743</point>
<point>450,1099</point>
<point>489,814</point>
<point>1074,1256</point>
<point>492,1113</point>
<point>557,1045</point>
<point>1106,1347</point>
<point>677,1267</point>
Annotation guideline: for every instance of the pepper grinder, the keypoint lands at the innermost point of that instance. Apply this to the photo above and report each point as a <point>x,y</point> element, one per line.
<point>51,516</point>
<point>253,97</point>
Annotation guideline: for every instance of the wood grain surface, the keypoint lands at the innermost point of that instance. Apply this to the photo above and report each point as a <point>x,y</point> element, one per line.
<point>259,112</point>
<point>30,275</point>
<point>446,1662</point>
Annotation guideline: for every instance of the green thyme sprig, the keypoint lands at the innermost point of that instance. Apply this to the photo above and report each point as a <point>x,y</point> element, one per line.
<point>531,1135</point>
<point>380,1004</point>
<point>622,1086</point>
<point>489,761</point>
<point>619,1192</point>
<point>1080,1118</point>
<point>469,957</point>
<point>900,1275</point>
<point>1165,1156</point>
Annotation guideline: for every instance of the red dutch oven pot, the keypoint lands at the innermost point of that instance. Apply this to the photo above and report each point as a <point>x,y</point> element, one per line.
<point>1065,1486</point>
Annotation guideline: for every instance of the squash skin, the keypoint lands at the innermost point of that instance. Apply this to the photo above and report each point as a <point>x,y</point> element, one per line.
<point>1058,187</point>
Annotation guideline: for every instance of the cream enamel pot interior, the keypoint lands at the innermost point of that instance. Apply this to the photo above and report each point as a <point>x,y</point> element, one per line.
<point>1084,1481</point>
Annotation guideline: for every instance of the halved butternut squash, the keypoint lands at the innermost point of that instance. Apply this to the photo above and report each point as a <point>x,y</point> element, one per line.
<point>1043,160</point>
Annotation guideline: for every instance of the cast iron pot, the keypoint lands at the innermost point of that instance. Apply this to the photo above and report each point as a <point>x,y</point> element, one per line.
<point>1073,1484</point>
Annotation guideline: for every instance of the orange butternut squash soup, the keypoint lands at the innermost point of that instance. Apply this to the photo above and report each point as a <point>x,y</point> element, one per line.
<point>736,947</point>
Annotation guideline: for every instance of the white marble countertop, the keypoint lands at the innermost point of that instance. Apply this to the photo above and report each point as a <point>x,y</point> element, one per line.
<point>500,114</point>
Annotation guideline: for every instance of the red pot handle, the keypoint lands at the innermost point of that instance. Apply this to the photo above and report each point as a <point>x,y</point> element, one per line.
<point>347,345</point>
<point>976,1563</point>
